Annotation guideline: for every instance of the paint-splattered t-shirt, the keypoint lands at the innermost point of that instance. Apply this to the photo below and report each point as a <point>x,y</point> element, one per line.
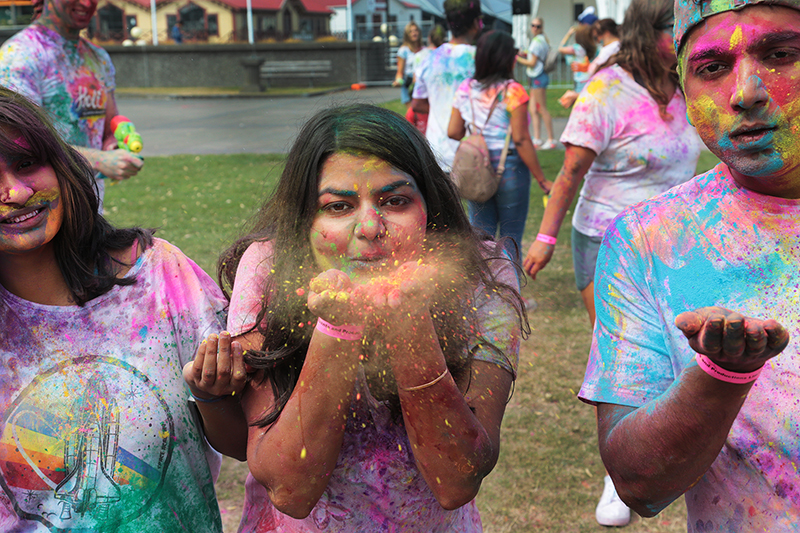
<point>376,485</point>
<point>639,155</point>
<point>96,431</point>
<point>708,242</point>
<point>438,77</point>
<point>509,99</point>
<point>70,79</point>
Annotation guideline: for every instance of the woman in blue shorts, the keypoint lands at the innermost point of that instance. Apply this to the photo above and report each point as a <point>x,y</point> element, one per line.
<point>534,60</point>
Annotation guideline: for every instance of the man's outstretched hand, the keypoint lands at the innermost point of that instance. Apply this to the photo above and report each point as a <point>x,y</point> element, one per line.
<point>734,342</point>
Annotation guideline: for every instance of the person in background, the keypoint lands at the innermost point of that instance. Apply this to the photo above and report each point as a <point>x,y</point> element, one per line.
<point>435,40</point>
<point>582,52</point>
<point>176,32</point>
<point>539,80</point>
<point>412,45</point>
<point>97,323</point>
<point>382,331</point>
<point>606,34</point>
<point>695,362</point>
<point>627,140</point>
<point>442,72</point>
<point>495,96</point>
<point>51,64</point>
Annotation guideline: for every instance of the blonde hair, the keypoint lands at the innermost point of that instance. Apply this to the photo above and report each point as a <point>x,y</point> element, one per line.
<point>407,36</point>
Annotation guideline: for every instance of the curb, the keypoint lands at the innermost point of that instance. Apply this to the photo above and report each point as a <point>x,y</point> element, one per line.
<point>265,94</point>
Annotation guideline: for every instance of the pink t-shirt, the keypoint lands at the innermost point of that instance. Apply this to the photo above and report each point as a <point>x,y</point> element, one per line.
<point>376,485</point>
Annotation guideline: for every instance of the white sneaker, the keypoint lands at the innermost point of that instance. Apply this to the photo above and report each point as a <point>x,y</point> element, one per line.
<point>548,145</point>
<point>537,143</point>
<point>611,511</point>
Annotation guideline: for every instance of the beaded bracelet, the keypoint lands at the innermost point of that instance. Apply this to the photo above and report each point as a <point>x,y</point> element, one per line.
<point>347,333</point>
<point>717,372</point>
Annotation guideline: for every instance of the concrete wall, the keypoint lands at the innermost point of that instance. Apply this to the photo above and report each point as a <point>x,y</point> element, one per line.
<point>220,65</point>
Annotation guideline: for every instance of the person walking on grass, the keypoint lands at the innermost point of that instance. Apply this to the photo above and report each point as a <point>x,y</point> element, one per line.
<point>412,45</point>
<point>627,140</point>
<point>539,81</point>
<point>491,103</point>
<point>442,72</point>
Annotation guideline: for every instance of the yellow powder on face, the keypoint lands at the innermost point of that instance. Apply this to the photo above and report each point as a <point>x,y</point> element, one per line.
<point>736,38</point>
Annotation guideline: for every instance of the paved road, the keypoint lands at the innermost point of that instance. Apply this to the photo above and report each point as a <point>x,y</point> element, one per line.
<point>233,125</point>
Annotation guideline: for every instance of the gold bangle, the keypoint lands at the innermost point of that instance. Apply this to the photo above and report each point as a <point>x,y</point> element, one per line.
<point>428,384</point>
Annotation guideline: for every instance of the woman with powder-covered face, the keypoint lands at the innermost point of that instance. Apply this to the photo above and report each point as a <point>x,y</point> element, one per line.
<point>97,322</point>
<point>382,336</point>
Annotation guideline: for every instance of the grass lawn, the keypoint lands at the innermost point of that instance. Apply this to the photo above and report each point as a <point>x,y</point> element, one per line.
<point>549,474</point>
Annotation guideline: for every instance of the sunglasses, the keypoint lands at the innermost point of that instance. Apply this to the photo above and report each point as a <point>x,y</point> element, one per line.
<point>536,25</point>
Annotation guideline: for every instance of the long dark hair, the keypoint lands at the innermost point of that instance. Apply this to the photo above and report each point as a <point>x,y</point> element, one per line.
<point>584,37</point>
<point>638,53</point>
<point>495,55</point>
<point>84,243</point>
<point>285,220</point>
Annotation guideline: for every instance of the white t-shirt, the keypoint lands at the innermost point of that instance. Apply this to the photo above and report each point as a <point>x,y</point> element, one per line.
<point>639,155</point>
<point>602,57</point>
<point>538,48</point>
<point>97,434</point>
<point>437,80</point>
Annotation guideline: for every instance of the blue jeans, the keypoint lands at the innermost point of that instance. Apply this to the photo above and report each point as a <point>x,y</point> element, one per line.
<point>506,211</point>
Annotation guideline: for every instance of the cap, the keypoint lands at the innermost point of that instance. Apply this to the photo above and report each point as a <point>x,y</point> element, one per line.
<point>689,13</point>
<point>587,16</point>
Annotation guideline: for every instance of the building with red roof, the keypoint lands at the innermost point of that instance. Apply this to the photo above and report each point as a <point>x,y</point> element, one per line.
<point>212,21</point>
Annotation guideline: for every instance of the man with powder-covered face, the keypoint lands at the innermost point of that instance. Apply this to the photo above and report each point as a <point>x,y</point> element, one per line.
<point>698,291</point>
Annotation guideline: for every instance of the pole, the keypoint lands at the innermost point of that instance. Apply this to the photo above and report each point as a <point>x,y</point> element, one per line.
<point>349,12</point>
<point>250,22</point>
<point>154,21</point>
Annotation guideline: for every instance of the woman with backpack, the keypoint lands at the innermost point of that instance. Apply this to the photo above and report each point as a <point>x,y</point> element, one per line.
<point>490,104</point>
<point>539,80</point>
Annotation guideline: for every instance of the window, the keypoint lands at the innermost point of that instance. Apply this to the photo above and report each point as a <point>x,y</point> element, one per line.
<point>193,19</point>
<point>130,22</point>
<point>213,24</point>
<point>171,20</point>
<point>111,22</point>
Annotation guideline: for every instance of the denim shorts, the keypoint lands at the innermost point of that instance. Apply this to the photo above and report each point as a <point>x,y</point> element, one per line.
<point>540,82</point>
<point>584,257</point>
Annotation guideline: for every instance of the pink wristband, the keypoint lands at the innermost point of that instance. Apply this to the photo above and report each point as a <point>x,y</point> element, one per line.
<point>346,333</point>
<point>717,372</point>
<point>547,239</point>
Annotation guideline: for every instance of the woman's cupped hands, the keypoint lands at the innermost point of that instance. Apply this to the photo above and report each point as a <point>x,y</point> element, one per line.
<point>386,298</point>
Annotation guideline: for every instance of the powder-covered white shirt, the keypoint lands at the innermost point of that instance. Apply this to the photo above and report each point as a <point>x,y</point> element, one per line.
<point>639,155</point>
